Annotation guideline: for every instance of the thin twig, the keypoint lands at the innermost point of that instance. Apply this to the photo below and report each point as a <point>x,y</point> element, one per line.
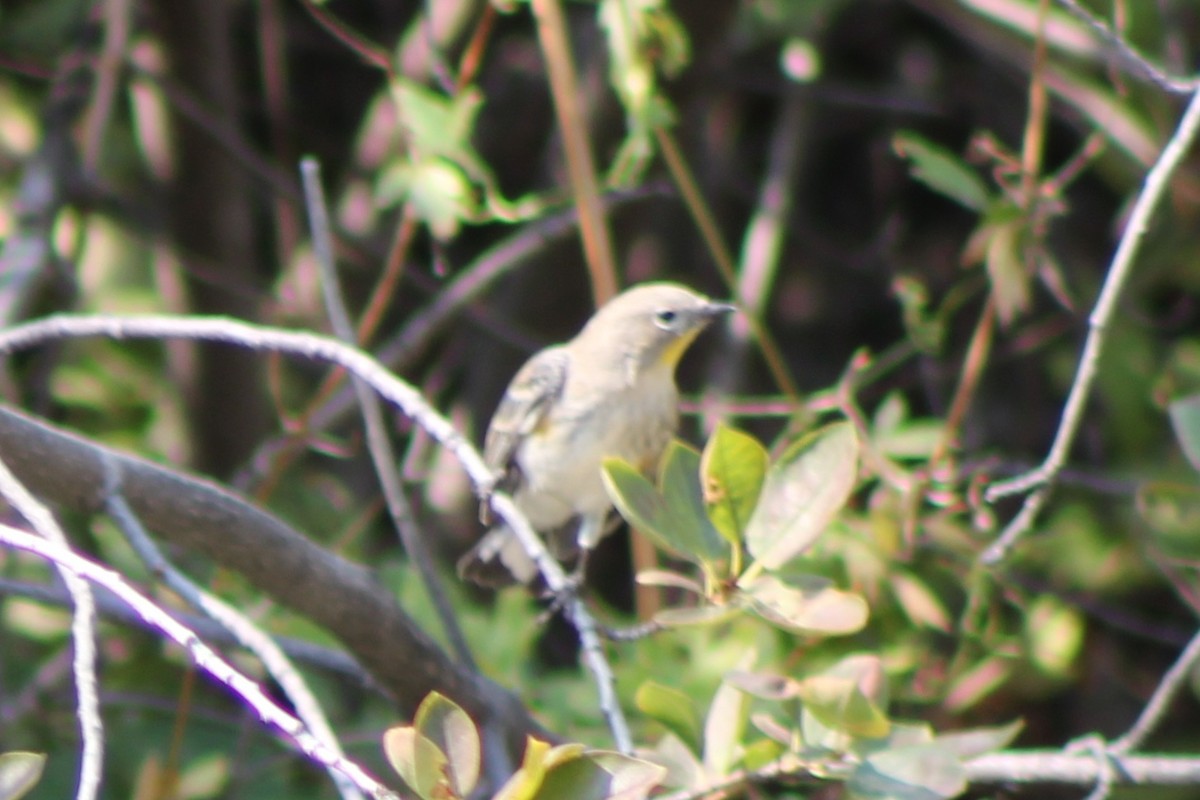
<point>1173,681</point>
<point>335,662</point>
<point>107,70</point>
<point>204,656</point>
<point>972,372</point>
<point>710,231</point>
<point>1008,767</point>
<point>247,634</point>
<point>365,49</point>
<point>83,633</point>
<point>589,632</point>
<point>1157,181</point>
<point>1128,54</point>
<point>383,455</point>
<point>564,87</point>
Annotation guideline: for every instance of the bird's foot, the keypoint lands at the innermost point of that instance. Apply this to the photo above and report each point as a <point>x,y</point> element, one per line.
<point>561,598</point>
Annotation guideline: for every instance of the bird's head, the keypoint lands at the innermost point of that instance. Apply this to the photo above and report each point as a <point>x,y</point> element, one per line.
<point>650,326</point>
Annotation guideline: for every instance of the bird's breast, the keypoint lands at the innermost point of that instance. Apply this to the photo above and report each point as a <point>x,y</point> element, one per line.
<point>561,464</point>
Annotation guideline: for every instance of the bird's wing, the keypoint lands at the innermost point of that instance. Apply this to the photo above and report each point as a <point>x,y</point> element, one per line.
<point>530,395</point>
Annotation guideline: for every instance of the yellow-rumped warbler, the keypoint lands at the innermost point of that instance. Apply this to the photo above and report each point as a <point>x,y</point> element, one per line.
<point>610,391</point>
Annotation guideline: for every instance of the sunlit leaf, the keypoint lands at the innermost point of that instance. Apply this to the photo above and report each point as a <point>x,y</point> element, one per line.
<point>1057,28</point>
<point>438,191</point>
<point>527,780</point>
<point>437,124</point>
<point>918,602</point>
<point>725,725</point>
<point>773,728</point>
<point>1185,420</point>
<point>732,471</point>
<point>1006,268</point>
<point>684,770</point>
<point>921,772</point>
<point>19,772</point>
<point>941,170</point>
<point>850,696</point>
<point>977,682</point>
<point>803,493</point>
<point>417,760</point>
<point>1055,633</point>
<point>697,615</point>
<point>449,728</point>
<point>599,775</point>
<point>974,742</point>
<point>671,707</point>
<point>764,685</point>
<point>807,604</point>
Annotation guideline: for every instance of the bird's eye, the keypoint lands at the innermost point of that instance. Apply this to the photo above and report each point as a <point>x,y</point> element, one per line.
<point>665,317</point>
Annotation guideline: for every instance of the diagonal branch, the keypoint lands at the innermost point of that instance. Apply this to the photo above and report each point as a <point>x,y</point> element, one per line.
<point>1039,480</point>
<point>201,516</point>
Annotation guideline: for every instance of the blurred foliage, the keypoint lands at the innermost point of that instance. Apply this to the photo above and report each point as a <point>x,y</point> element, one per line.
<point>825,608</point>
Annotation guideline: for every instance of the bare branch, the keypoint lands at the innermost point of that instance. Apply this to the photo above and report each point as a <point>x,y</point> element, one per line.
<point>204,656</point>
<point>196,514</point>
<point>383,455</point>
<point>1040,479</point>
<point>247,634</point>
<point>83,634</point>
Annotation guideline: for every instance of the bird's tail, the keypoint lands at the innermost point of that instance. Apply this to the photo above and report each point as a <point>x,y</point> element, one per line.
<point>497,560</point>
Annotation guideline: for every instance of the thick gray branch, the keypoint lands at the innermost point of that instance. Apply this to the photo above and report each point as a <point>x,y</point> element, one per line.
<point>201,516</point>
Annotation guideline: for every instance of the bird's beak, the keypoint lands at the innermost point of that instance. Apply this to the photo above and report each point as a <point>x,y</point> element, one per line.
<point>713,310</point>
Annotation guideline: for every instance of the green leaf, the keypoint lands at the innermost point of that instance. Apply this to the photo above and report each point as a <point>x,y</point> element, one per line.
<point>849,697</point>
<point>687,521</point>
<point>925,328</point>
<point>449,728</point>
<point>1055,632</point>
<point>920,772</point>
<point>977,741</point>
<point>918,602</point>
<point>440,195</point>
<point>684,770</point>
<point>1007,270</point>
<point>19,772</point>
<point>732,470</point>
<point>764,685</point>
<point>600,775</point>
<point>803,493</point>
<point>977,682</point>
<point>527,780</point>
<point>941,170</point>
<point>725,724</point>
<point>697,615</point>
<point>1172,512</point>
<point>672,708</point>
<point>674,518</point>
<point>1185,419</point>
<point>806,604</point>
<point>438,756</point>
<point>639,502</point>
<point>417,760</point>
<point>895,435</point>
<point>437,124</point>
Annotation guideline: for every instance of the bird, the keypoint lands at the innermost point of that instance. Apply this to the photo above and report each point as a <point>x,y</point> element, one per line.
<point>608,392</point>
